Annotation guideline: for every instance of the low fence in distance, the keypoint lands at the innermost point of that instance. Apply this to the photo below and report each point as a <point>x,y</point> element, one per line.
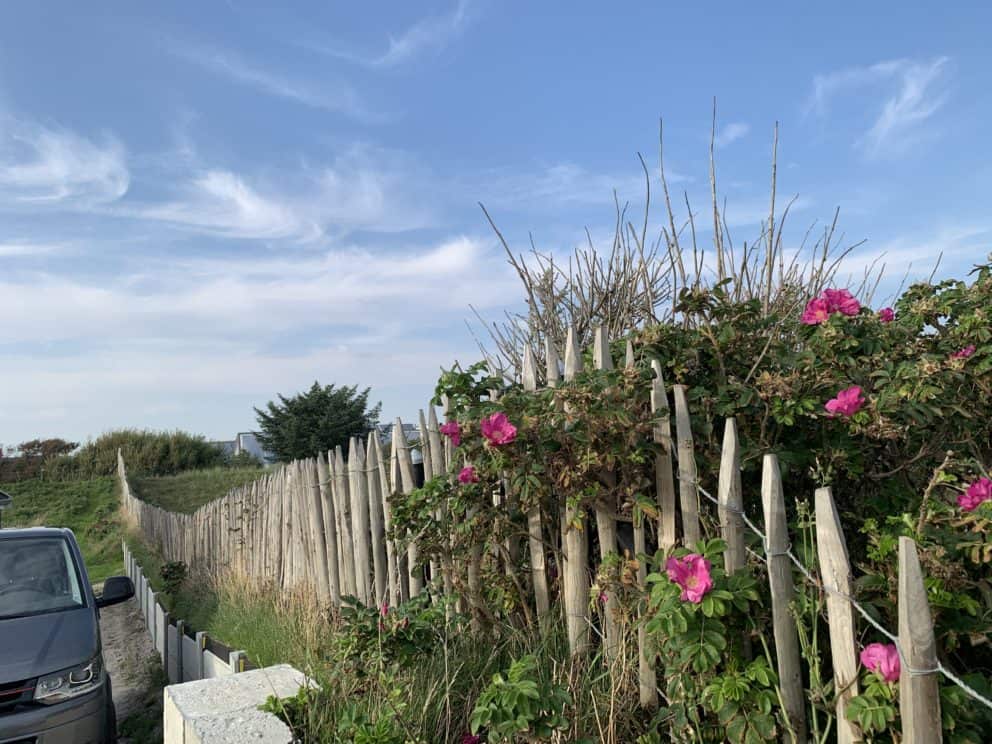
<point>186,655</point>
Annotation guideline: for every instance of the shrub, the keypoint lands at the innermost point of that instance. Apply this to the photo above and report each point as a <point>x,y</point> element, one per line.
<point>145,453</point>
<point>173,576</point>
<point>889,407</point>
<point>519,706</point>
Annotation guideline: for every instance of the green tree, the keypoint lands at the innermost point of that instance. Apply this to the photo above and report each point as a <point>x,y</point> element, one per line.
<point>318,420</point>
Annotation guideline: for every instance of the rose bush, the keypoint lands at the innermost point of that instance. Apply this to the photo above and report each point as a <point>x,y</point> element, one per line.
<point>889,407</point>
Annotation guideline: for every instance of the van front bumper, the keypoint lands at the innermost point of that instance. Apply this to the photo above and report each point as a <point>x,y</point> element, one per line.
<point>80,721</point>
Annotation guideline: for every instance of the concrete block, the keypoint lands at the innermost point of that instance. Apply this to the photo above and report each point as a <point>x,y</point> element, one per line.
<point>172,653</point>
<point>191,660</point>
<point>152,604</point>
<point>159,629</point>
<point>225,710</point>
<point>214,666</point>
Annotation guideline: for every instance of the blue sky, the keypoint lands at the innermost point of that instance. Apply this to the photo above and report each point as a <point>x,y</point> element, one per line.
<point>204,204</point>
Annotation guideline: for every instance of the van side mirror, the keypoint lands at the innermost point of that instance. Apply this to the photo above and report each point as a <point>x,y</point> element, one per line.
<point>116,589</point>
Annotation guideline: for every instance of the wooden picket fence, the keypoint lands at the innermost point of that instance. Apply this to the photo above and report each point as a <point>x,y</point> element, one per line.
<point>323,522</point>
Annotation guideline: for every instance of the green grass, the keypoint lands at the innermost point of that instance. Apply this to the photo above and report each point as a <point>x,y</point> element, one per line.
<point>88,507</point>
<point>186,492</point>
<point>248,620</point>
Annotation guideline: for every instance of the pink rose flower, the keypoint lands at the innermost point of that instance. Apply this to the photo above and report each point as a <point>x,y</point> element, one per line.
<point>964,353</point>
<point>468,475</point>
<point>841,301</point>
<point>816,312</point>
<point>692,573</point>
<point>498,430</point>
<point>453,431</point>
<point>384,610</point>
<point>883,659</point>
<point>886,315</point>
<point>847,403</point>
<point>978,492</point>
<point>602,598</point>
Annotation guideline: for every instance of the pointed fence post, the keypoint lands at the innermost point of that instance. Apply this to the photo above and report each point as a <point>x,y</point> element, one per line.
<point>330,529</point>
<point>342,499</point>
<point>427,458</point>
<point>663,474</point>
<point>919,696</point>
<point>462,575</point>
<point>360,532</point>
<point>782,592</point>
<point>688,493</point>
<point>731,499</point>
<point>319,554</point>
<point>646,676</point>
<point>406,476</point>
<point>392,565</point>
<point>535,533</point>
<point>439,468</point>
<point>380,591</point>
<point>835,572</point>
<point>606,523</point>
<point>575,578</point>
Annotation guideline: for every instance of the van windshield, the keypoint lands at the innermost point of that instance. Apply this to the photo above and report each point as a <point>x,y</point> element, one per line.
<point>37,575</point>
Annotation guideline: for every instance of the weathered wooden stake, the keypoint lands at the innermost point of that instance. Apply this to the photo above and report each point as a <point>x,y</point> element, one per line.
<point>663,475</point>
<point>688,491</point>
<point>835,572</point>
<point>380,590</point>
<point>405,462</point>
<point>360,532</point>
<point>535,532</point>
<point>782,593</point>
<point>606,523</point>
<point>575,579</point>
<point>330,529</point>
<point>342,499</point>
<point>731,498</point>
<point>319,554</point>
<point>919,695</point>
<point>646,676</point>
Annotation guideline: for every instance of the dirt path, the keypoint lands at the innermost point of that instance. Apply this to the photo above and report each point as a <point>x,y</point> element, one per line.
<point>136,673</point>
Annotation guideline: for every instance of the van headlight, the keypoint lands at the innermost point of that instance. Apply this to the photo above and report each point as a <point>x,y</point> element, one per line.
<point>69,683</point>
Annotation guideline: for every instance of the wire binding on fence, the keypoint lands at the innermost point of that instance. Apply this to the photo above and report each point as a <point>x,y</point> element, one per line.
<point>968,689</point>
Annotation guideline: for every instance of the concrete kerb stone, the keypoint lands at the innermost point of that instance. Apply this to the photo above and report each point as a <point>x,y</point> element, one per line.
<point>225,709</point>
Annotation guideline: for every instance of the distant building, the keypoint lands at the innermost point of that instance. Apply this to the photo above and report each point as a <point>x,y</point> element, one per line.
<point>246,441</point>
<point>410,431</point>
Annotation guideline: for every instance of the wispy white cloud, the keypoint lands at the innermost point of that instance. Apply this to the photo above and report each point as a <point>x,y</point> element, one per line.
<point>42,165</point>
<point>362,189</point>
<point>222,203</point>
<point>427,35</point>
<point>731,133</point>
<point>916,90</point>
<point>337,97</point>
<point>919,97</point>
<point>27,249</point>
<point>957,245</point>
<point>563,184</point>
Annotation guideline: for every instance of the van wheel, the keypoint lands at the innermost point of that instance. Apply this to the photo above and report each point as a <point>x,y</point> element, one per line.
<point>111,724</point>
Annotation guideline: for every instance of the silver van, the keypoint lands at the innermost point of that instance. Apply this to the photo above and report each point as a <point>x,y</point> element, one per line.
<point>53,685</point>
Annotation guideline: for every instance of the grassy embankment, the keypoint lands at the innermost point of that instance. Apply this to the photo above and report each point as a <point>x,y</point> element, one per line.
<point>88,507</point>
<point>187,492</point>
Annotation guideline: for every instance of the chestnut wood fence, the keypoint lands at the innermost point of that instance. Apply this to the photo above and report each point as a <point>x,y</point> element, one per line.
<point>322,523</point>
